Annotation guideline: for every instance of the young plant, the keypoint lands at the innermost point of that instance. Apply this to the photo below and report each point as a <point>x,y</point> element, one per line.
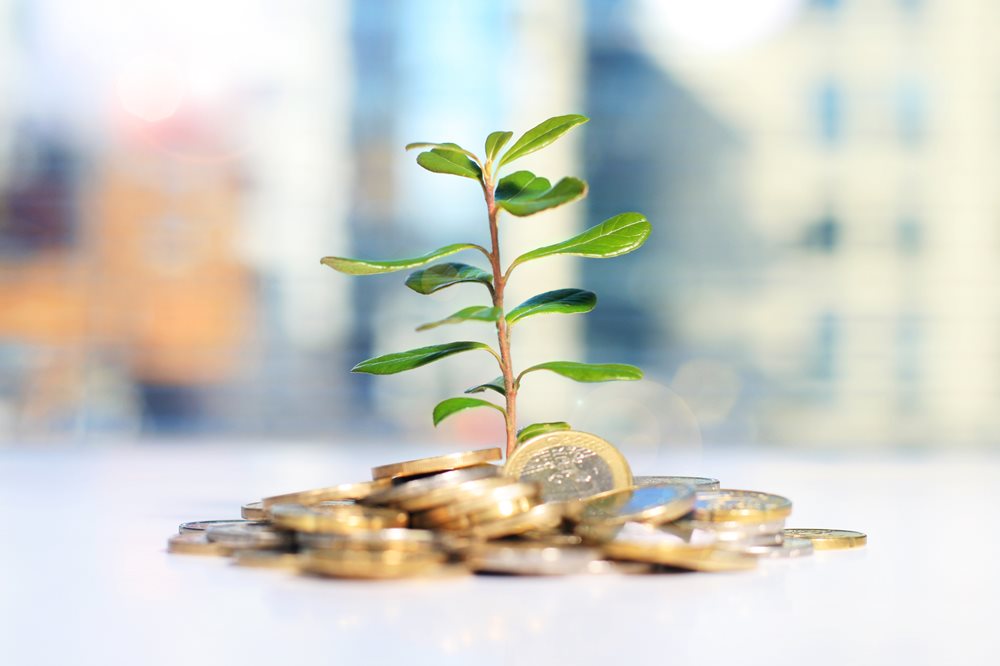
<point>520,193</point>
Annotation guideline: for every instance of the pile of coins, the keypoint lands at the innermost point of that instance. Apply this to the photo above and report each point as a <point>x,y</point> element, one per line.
<point>564,503</point>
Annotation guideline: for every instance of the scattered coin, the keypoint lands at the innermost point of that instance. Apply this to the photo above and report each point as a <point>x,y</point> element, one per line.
<point>694,558</point>
<point>254,535</point>
<point>435,464</point>
<point>789,547</point>
<point>740,506</point>
<point>195,543</point>
<point>533,560</point>
<point>823,539</point>
<point>699,482</point>
<point>344,491</point>
<point>254,511</point>
<point>372,564</point>
<point>565,503</point>
<point>336,520</point>
<point>569,465</point>
<point>202,525</point>
<point>652,504</point>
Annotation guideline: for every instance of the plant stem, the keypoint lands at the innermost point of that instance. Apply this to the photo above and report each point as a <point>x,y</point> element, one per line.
<point>503,329</point>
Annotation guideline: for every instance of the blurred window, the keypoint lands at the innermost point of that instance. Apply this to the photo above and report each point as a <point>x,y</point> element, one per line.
<point>823,234</point>
<point>830,112</point>
<point>911,112</point>
<point>909,235</point>
<point>828,5</point>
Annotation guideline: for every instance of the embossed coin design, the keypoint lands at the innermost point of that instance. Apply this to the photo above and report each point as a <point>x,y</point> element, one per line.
<point>570,465</point>
<point>823,539</point>
<point>740,506</point>
<point>435,464</point>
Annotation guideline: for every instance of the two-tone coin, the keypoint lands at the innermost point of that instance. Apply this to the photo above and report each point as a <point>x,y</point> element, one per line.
<point>569,465</point>
<point>698,482</point>
<point>824,539</point>
<point>654,504</point>
<point>741,506</point>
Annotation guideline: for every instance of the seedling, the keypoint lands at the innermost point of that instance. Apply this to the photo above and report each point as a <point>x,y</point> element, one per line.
<point>521,194</point>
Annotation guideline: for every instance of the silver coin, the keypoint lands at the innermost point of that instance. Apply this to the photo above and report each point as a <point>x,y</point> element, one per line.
<point>699,482</point>
<point>202,525</point>
<point>532,560</point>
<point>411,489</point>
<point>651,504</point>
<point>789,547</point>
<point>260,536</point>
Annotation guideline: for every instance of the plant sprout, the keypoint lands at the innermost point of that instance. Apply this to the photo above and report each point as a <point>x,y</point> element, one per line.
<point>520,194</point>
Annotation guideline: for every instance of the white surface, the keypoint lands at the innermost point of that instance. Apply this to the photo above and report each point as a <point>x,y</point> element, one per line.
<point>84,578</point>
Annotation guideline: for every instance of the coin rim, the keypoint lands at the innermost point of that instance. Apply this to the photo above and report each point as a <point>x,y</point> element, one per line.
<point>444,463</point>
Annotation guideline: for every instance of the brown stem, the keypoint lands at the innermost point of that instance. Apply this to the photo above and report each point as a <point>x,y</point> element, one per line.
<point>503,330</point>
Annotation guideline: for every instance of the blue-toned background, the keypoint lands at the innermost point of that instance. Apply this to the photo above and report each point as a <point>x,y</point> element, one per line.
<point>821,177</point>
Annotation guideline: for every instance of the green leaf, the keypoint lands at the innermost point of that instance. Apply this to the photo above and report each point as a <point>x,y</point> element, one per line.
<point>367,267</point>
<point>439,276</point>
<point>523,193</point>
<point>450,159</point>
<point>471,313</point>
<point>565,301</point>
<point>447,147</point>
<point>615,236</point>
<point>446,408</point>
<point>588,372</point>
<point>493,385</point>
<point>495,142</point>
<point>535,429</point>
<point>390,364</point>
<point>541,135</point>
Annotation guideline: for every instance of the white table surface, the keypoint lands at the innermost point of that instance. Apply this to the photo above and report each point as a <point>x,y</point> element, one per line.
<point>84,578</point>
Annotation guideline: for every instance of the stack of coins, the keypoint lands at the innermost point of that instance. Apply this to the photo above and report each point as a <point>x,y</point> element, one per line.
<point>565,503</point>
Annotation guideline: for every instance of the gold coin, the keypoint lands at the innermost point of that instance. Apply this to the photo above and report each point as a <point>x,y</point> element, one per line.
<point>372,564</point>
<point>436,464</point>
<point>394,538</point>
<point>740,506</point>
<point>569,465</point>
<point>541,518</point>
<point>195,543</point>
<point>267,559</point>
<point>490,514</point>
<point>453,494</point>
<point>410,489</point>
<point>527,559</point>
<point>823,539</point>
<point>652,504</point>
<point>254,511</point>
<point>512,494</point>
<point>699,482</point>
<point>694,558</point>
<point>335,520</point>
<point>344,491</point>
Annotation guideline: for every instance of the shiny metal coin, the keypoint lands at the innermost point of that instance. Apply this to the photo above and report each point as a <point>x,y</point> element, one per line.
<point>254,511</point>
<point>344,519</point>
<point>541,518</point>
<point>569,465</point>
<point>411,489</point>
<point>823,539</point>
<point>373,564</point>
<point>698,482</point>
<point>195,543</point>
<point>202,525</point>
<point>395,538</point>
<point>741,506</point>
<point>435,464</point>
<point>649,504</point>
<point>693,558</point>
<point>789,547</point>
<point>343,491</point>
<point>255,536</point>
<point>267,559</point>
<point>532,560</point>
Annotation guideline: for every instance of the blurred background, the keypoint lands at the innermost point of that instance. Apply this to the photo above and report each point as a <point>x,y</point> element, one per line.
<point>821,176</point>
